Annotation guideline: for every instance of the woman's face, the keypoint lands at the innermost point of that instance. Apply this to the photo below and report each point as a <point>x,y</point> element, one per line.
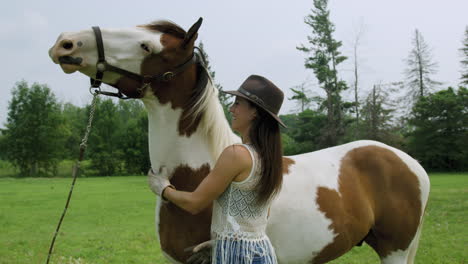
<point>242,115</point>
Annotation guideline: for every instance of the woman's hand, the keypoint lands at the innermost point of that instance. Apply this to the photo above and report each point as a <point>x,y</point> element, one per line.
<point>201,253</point>
<point>160,181</point>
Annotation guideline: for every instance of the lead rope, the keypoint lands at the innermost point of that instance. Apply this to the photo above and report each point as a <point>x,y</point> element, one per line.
<point>75,170</point>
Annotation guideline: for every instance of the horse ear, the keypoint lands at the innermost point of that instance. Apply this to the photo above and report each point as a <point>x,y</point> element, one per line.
<point>191,35</point>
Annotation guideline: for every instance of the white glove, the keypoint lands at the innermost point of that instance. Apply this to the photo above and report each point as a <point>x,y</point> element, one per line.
<point>201,253</point>
<point>159,182</point>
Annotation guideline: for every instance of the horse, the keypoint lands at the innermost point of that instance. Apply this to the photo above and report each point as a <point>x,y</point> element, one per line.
<point>331,200</point>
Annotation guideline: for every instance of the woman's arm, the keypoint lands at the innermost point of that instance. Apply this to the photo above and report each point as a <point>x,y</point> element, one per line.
<point>234,160</point>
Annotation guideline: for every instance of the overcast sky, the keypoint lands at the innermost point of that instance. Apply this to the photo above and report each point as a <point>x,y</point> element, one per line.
<point>241,37</point>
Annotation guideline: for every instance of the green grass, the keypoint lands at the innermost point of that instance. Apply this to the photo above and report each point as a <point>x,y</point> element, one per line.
<point>64,169</point>
<point>111,220</point>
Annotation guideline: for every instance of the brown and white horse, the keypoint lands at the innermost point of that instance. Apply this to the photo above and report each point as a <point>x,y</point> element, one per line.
<point>331,200</point>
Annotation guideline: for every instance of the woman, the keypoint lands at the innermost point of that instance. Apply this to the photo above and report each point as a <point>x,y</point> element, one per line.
<point>244,180</point>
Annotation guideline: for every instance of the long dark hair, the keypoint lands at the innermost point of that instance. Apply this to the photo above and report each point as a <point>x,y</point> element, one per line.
<point>266,139</point>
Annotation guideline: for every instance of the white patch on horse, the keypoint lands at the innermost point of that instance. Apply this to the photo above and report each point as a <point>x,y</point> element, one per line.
<point>167,149</point>
<point>122,48</point>
<point>296,206</point>
<point>396,257</point>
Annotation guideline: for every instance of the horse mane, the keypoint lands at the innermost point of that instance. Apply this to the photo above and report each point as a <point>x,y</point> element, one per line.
<point>166,26</point>
<point>204,104</point>
<point>213,123</point>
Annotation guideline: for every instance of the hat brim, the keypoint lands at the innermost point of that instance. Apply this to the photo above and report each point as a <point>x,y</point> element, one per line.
<point>237,93</point>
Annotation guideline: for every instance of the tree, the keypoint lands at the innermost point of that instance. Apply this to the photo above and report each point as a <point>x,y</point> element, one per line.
<point>34,134</point>
<point>440,136</point>
<point>419,69</point>
<point>118,143</point>
<point>377,115</point>
<point>356,44</point>
<point>304,132</point>
<point>134,137</point>
<point>223,98</point>
<point>104,144</point>
<point>75,121</point>
<point>300,95</point>
<point>2,145</point>
<point>464,61</point>
<point>324,59</point>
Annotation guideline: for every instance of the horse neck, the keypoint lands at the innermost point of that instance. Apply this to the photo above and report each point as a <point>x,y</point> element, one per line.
<point>168,147</point>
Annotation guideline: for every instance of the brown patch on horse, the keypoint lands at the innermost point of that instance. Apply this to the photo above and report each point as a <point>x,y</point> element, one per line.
<point>182,91</point>
<point>287,162</point>
<point>378,201</point>
<point>167,27</point>
<point>179,229</point>
<point>169,41</point>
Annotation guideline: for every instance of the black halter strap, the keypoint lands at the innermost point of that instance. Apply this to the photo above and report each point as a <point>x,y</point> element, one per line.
<point>97,81</point>
<point>102,66</point>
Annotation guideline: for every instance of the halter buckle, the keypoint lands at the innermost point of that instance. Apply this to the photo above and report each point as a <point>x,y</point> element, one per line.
<point>167,76</point>
<point>101,66</point>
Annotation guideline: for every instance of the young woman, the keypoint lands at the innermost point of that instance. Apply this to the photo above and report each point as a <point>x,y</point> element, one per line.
<point>244,180</point>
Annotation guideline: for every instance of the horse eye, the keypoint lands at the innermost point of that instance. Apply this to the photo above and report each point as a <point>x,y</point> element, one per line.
<point>145,47</point>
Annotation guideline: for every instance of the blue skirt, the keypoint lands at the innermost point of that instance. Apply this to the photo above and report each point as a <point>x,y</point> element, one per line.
<point>237,252</point>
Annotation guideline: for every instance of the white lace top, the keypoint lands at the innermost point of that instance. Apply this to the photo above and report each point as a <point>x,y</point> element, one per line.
<point>238,224</point>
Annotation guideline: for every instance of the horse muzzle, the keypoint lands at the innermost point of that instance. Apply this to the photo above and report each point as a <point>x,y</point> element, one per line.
<point>70,64</point>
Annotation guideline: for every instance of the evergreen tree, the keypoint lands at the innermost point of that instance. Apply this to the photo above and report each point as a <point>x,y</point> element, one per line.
<point>464,61</point>
<point>440,136</point>
<point>300,95</point>
<point>324,59</point>
<point>420,69</point>
<point>377,115</point>
<point>303,133</point>
<point>34,133</point>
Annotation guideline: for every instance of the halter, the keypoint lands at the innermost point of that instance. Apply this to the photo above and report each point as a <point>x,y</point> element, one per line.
<point>146,80</point>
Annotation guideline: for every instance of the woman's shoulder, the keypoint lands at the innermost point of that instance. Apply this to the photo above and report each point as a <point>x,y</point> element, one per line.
<point>238,153</point>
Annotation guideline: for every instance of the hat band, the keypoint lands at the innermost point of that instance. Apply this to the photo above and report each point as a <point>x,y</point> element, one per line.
<point>256,99</point>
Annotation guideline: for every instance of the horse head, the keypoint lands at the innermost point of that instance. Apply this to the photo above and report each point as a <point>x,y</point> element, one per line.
<point>134,58</point>
<point>157,63</point>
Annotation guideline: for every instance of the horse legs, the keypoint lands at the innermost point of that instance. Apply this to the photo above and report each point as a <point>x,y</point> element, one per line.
<point>389,254</point>
<point>414,245</point>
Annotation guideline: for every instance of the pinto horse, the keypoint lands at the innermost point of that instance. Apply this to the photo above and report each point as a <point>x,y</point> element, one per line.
<point>331,200</point>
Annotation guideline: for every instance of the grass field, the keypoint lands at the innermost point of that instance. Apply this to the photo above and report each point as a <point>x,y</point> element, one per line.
<point>111,220</point>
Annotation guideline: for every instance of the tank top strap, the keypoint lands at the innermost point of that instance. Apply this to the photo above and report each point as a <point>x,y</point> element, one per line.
<point>254,163</point>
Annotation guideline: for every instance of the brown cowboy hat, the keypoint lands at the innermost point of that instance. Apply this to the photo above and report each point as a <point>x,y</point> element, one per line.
<point>262,92</point>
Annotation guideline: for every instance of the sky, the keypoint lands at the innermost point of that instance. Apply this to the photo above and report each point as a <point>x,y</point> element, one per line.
<point>241,38</point>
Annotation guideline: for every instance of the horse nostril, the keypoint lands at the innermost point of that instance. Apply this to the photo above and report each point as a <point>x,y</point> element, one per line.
<point>68,45</point>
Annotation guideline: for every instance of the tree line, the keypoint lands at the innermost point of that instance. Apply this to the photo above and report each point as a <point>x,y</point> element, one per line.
<point>416,114</point>
<point>428,122</point>
<point>40,132</point>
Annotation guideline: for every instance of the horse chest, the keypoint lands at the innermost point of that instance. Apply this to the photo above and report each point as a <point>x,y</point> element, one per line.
<point>177,228</point>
